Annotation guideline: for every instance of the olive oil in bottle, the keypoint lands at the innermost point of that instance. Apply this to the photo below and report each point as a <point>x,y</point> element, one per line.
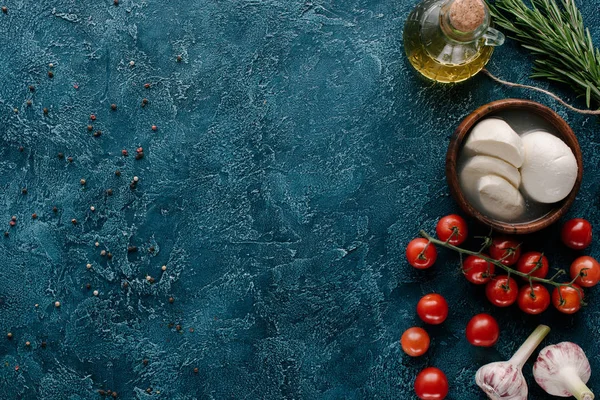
<point>450,40</point>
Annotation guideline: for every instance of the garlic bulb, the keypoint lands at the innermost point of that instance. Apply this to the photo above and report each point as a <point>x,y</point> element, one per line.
<point>563,370</point>
<point>504,380</point>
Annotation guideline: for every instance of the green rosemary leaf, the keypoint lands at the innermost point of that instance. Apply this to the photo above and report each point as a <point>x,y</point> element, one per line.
<point>554,32</point>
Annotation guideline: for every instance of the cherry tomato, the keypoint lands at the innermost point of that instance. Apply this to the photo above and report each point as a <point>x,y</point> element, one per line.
<point>505,249</point>
<point>535,263</point>
<point>483,330</point>
<point>567,299</point>
<point>452,228</point>
<point>415,341</point>
<point>587,271</point>
<point>533,299</point>
<point>432,309</point>
<point>502,291</point>
<point>477,270</point>
<point>420,253</point>
<point>577,233</point>
<point>431,384</point>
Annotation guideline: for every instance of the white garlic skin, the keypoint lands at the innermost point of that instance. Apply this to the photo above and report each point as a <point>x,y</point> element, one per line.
<point>502,380</point>
<point>553,360</point>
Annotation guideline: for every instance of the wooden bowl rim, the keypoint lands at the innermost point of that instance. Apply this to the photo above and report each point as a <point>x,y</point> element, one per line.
<point>565,132</point>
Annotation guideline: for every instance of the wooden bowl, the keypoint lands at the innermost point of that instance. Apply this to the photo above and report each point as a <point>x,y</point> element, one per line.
<point>563,130</point>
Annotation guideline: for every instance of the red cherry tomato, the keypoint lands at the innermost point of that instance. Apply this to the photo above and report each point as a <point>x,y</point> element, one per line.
<point>533,299</point>
<point>431,384</point>
<point>567,299</point>
<point>452,228</point>
<point>577,233</point>
<point>420,253</point>
<point>483,330</point>
<point>415,341</point>
<point>477,270</point>
<point>505,249</point>
<point>432,309</point>
<point>587,271</point>
<point>535,263</point>
<point>502,291</point>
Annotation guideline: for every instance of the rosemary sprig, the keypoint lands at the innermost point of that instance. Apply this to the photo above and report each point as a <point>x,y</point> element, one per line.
<point>556,36</point>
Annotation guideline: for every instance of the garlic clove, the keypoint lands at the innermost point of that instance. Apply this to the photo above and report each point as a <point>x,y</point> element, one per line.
<point>502,380</point>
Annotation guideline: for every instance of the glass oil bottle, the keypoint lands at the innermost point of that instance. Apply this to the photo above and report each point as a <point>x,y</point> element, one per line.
<point>450,40</point>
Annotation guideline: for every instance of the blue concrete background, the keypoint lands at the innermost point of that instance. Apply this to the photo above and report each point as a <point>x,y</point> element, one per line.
<point>296,155</point>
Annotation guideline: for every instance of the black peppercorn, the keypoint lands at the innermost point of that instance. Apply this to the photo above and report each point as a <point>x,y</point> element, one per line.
<point>89,128</point>
<point>132,249</point>
<point>113,106</point>
<point>54,209</point>
<point>50,74</point>
<point>24,190</point>
<point>5,9</point>
<point>97,133</point>
<point>70,159</point>
<point>118,173</point>
<point>45,110</point>
<point>29,103</point>
<point>31,88</point>
<point>144,102</point>
<point>61,156</point>
<point>109,192</point>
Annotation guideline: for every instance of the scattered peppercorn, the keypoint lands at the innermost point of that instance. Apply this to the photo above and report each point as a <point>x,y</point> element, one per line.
<point>12,223</point>
<point>145,361</point>
<point>118,173</point>
<point>147,85</point>
<point>113,106</point>
<point>139,156</point>
<point>124,153</point>
<point>116,3</point>
<point>92,208</point>
<point>90,128</point>
<point>154,127</point>
<point>144,102</point>
<point>24,190</point>
<point>45,110</point>
<point>21,148</point>
<point>13,218</point>
<point>74,221</point>
<point>9,335</point>
<point>61,156</point>
<point>27,343</point>
<point>132,249</point>
<point>88,266</point>
<point>96,244</point>
<point>43,344</point>
<point>70,159</point>
<point>149,390</point>
<point>101,392</point>
<point>131,63</point>
<point>103,253</point>
<point>6,233</point>
<point>114,394</point>
<point>109,255</point>
<point>95,293</point>
<point>125,284</point>
<point>109,192</point>
<point>4,9</point>
<point>163,268</point>
<point>29,103</point>
<point>178,328</point>
<point>50,74</point>
<point>93,117</point>
<point>16,110</point>
<point>171,300</point>
<point>57,304</point>
<point>82,181</point>
<point>54,209</point>
<point>151,249</point>
<point>34,216</point>
<point>31,88</point>
<point>51,65</point>
<point>196,370</point>
<point>88,286</point>
<point>97,133</point>
<point>179,58</point>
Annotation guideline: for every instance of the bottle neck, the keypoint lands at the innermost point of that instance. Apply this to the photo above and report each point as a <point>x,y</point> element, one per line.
<point>454,33</point>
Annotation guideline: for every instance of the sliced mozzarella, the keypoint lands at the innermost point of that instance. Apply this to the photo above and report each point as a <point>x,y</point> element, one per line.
<point>499,199</point>
<point>494,137</point>
<point>549,170</point>
<point>476,167</point>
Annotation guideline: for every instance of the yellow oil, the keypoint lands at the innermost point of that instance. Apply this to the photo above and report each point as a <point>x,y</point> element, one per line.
<point>432,68</point>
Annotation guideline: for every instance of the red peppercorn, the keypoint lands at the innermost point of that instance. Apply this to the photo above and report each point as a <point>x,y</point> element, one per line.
<point>4,9</point>
<point>34,216</point>
<point>154,127</point>
<point>124,152</point>
<point>113,106</point>
<point>90,128</point>
<point>45,110</point>
<point>140,150</point>
<point>93,117</point>
<point>147,85</point>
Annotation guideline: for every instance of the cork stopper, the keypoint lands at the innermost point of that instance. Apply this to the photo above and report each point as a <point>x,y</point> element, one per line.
<point>467,15</point>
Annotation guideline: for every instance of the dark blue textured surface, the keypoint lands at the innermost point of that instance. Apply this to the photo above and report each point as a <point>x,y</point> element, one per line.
<point>296,155</point>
